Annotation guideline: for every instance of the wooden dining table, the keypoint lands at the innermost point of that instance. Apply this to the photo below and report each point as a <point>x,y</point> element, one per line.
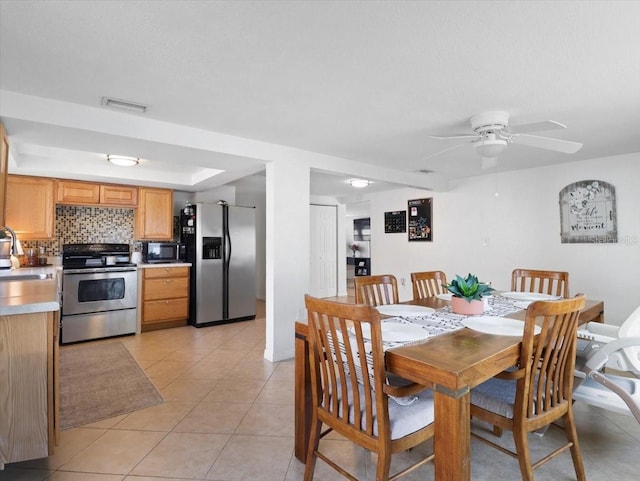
<point>452,363</point>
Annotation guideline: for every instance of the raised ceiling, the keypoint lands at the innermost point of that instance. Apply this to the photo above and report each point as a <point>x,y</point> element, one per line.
<point>355,87</point>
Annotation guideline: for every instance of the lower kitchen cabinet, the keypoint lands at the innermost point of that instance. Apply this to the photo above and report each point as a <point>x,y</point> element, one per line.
<point>29,386</point>
<point>164,298</point>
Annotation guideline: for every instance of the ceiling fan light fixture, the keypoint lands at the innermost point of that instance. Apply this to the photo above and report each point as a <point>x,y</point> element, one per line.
<point>122,160</point>
<point>359,183</point>
<point>490,147</point>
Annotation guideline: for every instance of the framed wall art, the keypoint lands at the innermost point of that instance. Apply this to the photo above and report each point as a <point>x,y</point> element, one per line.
<point>588,213</point>
<point>420,219</point>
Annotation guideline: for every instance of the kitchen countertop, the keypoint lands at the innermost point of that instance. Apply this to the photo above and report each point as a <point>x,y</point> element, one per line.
<point>28,296</point>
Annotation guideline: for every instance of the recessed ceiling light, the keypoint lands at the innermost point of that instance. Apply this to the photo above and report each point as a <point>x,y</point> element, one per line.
<point>124,104</point>
<point>359,183</point>
<point>122,160</point>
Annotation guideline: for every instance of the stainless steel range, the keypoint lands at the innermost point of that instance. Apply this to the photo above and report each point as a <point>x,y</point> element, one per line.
<point>99,289</point>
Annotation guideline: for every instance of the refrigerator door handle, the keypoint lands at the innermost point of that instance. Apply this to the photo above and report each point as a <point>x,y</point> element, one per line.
<point>228,251</point>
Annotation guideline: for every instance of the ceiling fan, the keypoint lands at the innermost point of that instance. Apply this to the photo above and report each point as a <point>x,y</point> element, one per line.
<point>491,135</point>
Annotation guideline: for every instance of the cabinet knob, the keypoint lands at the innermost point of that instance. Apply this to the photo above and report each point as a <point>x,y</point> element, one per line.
<point>168,281</point>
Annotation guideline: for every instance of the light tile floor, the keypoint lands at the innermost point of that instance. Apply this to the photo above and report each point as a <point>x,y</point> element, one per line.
<point>228,416</point>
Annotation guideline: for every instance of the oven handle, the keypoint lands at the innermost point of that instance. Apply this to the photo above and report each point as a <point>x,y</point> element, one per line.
<point>99,270</point>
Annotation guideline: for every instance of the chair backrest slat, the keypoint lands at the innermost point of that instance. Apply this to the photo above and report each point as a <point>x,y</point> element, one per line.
<point>347,364</point>
<point>376,290</point>
<point>549,358</point>
<point>428,284</point>
<point>555,283</point>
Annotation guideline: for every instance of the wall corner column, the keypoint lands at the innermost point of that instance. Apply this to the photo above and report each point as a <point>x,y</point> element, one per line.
<point>287,253</point>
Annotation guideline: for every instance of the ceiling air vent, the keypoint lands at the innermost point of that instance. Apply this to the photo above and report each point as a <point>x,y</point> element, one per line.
<point>124,105</point>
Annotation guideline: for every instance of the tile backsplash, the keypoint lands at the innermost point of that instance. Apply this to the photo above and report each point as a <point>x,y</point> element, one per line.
<point>82,225</point>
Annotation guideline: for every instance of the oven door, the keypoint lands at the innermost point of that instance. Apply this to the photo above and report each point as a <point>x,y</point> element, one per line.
<point>98,290</point>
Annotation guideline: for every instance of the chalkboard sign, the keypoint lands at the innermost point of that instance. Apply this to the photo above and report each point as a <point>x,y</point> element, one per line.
<point>420,215</point>
<point>395,222</point>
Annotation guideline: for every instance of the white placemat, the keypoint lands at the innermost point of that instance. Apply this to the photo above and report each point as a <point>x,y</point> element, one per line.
<point>395,331</point>
<point>501,326</point>
<point>529,296</point>
<point>404,310</point>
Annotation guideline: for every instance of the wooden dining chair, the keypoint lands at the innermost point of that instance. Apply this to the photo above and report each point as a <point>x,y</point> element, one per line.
<point>555,283</point>
<point>539,389</point>
<point>376,290</point>
<point>428,284</point>
<point>350,392</point>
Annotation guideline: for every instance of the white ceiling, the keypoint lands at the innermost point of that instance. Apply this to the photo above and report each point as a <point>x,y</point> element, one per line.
<point>353,87</point>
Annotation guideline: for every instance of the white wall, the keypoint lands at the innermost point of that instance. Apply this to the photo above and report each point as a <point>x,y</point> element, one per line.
<point>475,231</point>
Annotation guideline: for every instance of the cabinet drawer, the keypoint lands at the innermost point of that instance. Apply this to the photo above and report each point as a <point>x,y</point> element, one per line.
<point>165,310</point>
<point>168,288</point>
<point>158,272</point>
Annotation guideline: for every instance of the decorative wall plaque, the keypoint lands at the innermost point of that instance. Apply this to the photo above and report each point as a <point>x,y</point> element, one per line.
<point>395,222</point>
<point>588,213</point>
<point>420,215</point>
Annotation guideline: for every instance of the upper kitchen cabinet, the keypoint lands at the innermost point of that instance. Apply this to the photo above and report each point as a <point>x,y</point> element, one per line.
<point>4,165</point>
<point>77,193</point>
<point>119,195</point>
<point>30,207</point>
<point>154,217</point>
<point>87,193</point>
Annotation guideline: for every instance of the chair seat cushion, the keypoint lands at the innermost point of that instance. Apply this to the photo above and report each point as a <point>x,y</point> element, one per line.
<point>410,418</point>
<point>403,420</point>
<point>495,395</point>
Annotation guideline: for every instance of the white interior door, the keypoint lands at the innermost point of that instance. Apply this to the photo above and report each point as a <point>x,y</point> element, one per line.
<point>324,251</point>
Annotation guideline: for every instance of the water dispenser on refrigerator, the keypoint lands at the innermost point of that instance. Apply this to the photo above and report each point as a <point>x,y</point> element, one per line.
<point>212,247</point>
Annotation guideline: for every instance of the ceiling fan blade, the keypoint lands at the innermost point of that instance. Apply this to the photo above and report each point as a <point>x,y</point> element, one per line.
<point>565,146</point>
<point>447,150</point>
<point>537,127</point>
<point>455,136</point>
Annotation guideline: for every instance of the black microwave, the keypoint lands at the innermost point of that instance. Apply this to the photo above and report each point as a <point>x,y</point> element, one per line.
<point>162,252</point>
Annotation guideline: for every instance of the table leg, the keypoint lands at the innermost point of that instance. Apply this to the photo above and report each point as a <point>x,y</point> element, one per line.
<point>303,398</point>
<point>452,435</point>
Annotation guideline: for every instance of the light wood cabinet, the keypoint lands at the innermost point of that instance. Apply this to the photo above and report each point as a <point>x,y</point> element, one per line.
<point>165,297</point>
<point>4,166</point>
<point>29,372</point>
<point>119,195</point>
<point>154,217</point>
<point>77,193</point>
<point>30,208</point>
<point>88,193</point>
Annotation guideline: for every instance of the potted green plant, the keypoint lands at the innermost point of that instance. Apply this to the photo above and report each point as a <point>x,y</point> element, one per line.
<point>468,295</point>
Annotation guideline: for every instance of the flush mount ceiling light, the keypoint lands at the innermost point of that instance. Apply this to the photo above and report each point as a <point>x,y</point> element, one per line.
<point>122,160</point>
<point>359,183</point>
<point>124,104</point>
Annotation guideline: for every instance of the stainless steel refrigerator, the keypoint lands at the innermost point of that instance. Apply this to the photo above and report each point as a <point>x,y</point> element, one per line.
<point>220,244</point>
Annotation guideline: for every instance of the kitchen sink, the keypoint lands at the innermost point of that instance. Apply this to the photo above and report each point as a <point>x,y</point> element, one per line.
<point>26,277</point>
